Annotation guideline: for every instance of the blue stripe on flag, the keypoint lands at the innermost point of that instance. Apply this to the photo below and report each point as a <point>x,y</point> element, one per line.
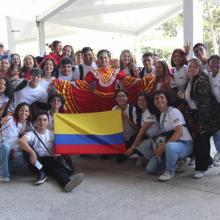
<point>89,139</point>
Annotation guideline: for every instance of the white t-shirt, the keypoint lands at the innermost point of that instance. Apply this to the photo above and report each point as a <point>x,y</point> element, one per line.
<point>29,95</point>
<point>3,99</point>
<point>86,69</point>
<point>215,85</point>
<point>150,118</point>
<point>128,129</point>
<point>69,77</point>
<point>45,83</point>
<point>173,118</point>
<point>10,132</point>
<point>47,138</point>
<point>191,103</point>
<point>181,77</point>
<point>51,122</point>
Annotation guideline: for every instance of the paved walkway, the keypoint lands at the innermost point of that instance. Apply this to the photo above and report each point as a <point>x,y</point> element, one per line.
<point>112,191</point>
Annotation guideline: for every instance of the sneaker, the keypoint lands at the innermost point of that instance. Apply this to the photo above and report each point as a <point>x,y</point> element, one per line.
<point>216,163</point>
<point>181,165</point>
<point>217,157</point>
<point>41,178</point>
<point>4,179</point>
<point>199,174</point>
<point>166,176</point>
<point>192,162</point>
<point>140,162</point>
<point>74,182</point>
<point>121,158</point>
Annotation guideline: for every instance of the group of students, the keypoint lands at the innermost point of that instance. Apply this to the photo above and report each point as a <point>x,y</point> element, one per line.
<point>155,128</point>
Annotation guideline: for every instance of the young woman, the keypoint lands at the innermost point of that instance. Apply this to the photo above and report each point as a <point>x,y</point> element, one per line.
<point>69,52</point>
<point>49,72</point>
<point>15,67</point>
<point>15,126</point>
<point>55,103</point>
<point>6,95</point>
<point>208,115</point>
<point>29,63</point>
<point>127,63</point>
<point>179,63</point>
<point>178,144</point>
<point>148,127</point>
<point>56,54</point>
<point>214,79</point>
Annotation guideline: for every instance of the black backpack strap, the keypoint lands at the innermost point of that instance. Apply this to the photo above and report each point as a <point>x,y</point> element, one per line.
<point>21,85</point>
<point>81,72</point>
<point>142,72</point>
<point>130,112</point>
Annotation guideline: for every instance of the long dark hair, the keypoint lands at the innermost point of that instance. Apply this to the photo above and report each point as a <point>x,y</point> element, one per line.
<point>139,111</point>
<point>16,111</point>
<point>9,91</point>
<point>11,68</point>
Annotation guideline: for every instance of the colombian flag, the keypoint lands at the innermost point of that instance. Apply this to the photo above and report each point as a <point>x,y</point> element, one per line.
<point>89,133</point>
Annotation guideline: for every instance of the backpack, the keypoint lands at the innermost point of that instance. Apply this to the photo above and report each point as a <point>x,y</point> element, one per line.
<point>21,85</point>
<point>81,72</point>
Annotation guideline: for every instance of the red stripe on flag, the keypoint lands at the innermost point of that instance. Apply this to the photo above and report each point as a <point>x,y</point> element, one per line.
<point>89,149</point>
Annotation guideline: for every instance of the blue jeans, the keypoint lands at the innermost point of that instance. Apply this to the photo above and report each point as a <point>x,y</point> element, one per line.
<point>216,138</point>
<point>173,152</point>
<point>4,157</point>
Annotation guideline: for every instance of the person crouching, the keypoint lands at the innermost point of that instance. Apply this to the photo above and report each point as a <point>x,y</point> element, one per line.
<point>38,145</point>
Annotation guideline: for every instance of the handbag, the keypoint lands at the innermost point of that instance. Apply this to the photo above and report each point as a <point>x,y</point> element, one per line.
<point>64,161</point>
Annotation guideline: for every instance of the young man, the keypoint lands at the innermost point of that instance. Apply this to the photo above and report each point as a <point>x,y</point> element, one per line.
<point>30,91</point>
<point>31,144</point>
<point>148,62</point>
<point>81,70</point>
<point>66,69</point>
<point>201,52</point>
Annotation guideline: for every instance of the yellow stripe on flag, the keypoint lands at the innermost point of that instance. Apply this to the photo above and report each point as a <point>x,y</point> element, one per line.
<point>98,123</point>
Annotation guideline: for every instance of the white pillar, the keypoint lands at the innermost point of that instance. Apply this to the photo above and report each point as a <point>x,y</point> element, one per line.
<point>41,38</point>
<point>3,31</point>
<point>192,22</point>
<point>10,35</point>
<point>137,50</point>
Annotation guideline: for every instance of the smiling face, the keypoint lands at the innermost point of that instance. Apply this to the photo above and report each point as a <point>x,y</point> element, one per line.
<point>48,66</point>
<point>214,65</point>
<point>142,103</point>
<point>121,98</point>
<point>28,62</point>
<point>35,79</point>
<point>178,59</point>
<point>58,48</point>
<point>23,113</point>
<point>67,51</point>
<point>159,69</point>
<point>56,103</point>
<point>193,69</point>
<point>148,62</point>
<point>125,59</point>
<point>4,65</point>
<point>104,59</point>
<point>200,52</point>
<point>160,101</point>
<point>2,86</point>
<point>15,60</point>
<point>88,58</point>
<point>41,122</point>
